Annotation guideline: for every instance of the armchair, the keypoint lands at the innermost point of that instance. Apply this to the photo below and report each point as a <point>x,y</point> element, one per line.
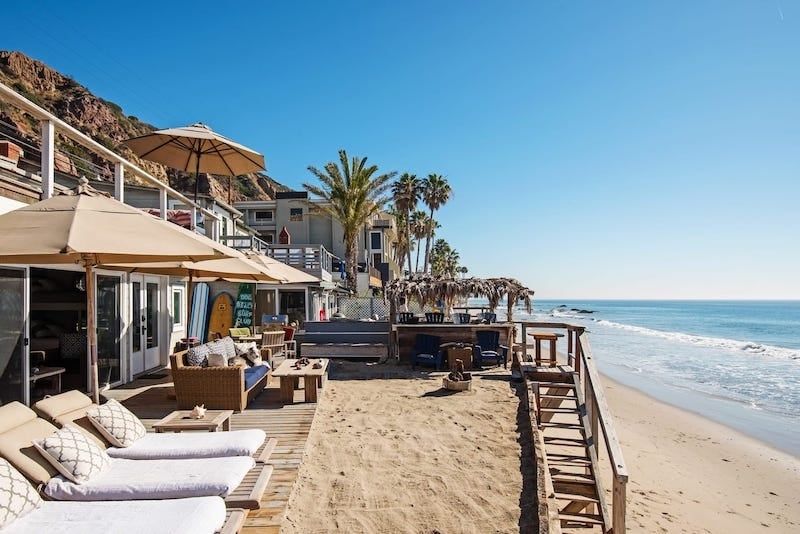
<point>290,343</point>
<point>489,348</point>
<point>273,341</point>
<point>427,351</point>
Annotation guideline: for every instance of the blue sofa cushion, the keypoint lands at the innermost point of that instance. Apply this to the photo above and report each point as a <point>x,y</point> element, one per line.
<point>253,375</point>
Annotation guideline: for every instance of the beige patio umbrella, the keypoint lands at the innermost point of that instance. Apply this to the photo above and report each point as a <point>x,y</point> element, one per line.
<point>286,273</point>
<point>89,228</point>
<point>197,148</point>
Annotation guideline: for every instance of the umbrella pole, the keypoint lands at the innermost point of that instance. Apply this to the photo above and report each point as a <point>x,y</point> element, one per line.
<point>91,330</point>
<point>190,294</point>
<point>196,179</point>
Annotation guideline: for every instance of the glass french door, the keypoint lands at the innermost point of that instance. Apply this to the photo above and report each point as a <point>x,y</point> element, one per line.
<point>146,312</point>
<point>14,371</point>
<point>109,353</point>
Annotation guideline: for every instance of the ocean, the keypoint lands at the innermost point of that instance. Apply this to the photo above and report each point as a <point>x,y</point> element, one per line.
<point>734,362</point>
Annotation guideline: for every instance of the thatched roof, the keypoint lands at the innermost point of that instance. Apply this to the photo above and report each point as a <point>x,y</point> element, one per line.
<point>426,288</point>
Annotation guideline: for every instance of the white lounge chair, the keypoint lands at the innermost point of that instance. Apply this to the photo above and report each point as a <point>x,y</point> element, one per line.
<point>72,407</point>
<point>123,479</point>
<point>26,513</point>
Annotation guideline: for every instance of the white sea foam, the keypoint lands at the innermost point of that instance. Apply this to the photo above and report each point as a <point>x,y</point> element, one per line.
<point>711,342</point>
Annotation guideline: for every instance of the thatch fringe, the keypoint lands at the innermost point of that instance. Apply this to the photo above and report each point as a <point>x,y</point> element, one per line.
<point>427,288</point>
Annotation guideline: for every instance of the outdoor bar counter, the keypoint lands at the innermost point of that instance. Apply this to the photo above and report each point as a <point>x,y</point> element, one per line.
<point>405,335</point>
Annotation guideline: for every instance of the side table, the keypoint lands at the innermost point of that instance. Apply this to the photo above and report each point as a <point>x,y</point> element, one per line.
<point>181,420</point>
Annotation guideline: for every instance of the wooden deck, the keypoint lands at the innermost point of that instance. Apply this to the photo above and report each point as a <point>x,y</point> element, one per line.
<point>290,424</point>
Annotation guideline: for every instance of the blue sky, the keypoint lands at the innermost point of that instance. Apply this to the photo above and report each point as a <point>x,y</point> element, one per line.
<point>613,149</point>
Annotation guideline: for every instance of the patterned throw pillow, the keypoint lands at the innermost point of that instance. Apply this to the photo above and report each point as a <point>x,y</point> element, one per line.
<point>73,454</point>
<point>198,356</point>
<point>224,346</point>
<point>237,361</point>
<point>17,495</point>
<point>217,360</point>
<point>117,423</point>
<point>250,352</point>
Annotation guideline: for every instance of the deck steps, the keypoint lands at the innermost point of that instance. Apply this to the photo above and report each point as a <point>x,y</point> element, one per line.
<point>559,397</point>
<point>567,449</point>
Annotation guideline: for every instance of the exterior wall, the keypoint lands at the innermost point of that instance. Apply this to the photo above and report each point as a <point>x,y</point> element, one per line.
<point>298,230</point>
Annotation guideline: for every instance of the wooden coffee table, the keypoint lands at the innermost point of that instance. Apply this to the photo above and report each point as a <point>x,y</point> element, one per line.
<point>180,420</point>
<point>311,378</point>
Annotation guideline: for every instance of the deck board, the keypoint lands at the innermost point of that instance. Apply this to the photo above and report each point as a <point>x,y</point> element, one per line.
<point>288,424</point>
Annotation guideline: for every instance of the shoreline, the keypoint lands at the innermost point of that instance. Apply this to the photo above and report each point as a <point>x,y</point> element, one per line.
<point>690,473</point>
<point>763,427</point>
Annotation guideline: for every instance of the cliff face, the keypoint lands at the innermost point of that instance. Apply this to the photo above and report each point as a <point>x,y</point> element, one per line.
<point>106,123</point>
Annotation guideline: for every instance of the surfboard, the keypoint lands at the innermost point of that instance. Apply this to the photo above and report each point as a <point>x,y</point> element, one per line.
<point>220,315</point>
<point>199,316</point>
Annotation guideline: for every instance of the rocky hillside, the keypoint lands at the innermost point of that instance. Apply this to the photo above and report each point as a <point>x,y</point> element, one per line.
<point>106,123</point>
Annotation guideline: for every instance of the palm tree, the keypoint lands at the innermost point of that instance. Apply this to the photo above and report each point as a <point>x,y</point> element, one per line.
<point>406,193</point>
<point>419,229</point>
<point>354,192</point>
<point>402,246</point>
<point>444,260</point>
<point>436,192</point>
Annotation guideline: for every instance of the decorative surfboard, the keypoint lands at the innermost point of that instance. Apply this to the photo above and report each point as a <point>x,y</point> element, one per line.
<point>199,315</point>
<point>220,315</point>
<point>243,315</point>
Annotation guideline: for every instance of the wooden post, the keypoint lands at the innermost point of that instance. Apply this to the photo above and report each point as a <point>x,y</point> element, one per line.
<point>90,328</point>
<point>618,505</point>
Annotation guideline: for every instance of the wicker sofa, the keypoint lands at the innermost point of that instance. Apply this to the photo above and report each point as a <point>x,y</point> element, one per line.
<point>217,388</point>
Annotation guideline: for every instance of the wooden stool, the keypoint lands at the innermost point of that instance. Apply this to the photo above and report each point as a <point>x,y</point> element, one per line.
<point>545,336</point>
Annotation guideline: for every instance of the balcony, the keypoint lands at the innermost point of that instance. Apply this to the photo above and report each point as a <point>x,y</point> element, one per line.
<point>312,259</point>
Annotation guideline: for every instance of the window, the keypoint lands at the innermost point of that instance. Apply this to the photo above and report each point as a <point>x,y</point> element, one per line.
<point>263,216</point>
<point>377,258</point>
<point>375,240</point>
<point>295,214</point>
<point>178,302</point>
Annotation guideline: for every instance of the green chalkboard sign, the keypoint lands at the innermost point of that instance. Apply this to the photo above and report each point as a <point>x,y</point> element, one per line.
<point>243,313</point>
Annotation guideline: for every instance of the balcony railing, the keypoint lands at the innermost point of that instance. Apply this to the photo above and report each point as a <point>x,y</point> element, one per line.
<point>313,259</point>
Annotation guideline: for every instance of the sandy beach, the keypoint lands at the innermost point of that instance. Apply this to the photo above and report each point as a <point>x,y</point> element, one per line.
<point>394,454</point>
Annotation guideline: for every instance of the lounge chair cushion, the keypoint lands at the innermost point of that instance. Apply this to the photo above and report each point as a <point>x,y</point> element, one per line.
<point>198,515</point>
<point>156,479</point>
<point>17,496</point>
<point>73,454</point>
<point>117,423</point>
<point>192,445</point>
<point>254,374</point>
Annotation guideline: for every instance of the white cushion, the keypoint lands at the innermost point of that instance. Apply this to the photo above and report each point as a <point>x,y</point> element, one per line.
<point>117,423</point>
<point>156,479</point>
<point>74,455</point>
<point>184,445</point>
<point>196,515</point>
<point>17,495</point>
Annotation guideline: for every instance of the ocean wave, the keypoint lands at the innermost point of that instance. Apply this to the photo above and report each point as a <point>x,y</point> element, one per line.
<point>749,347</point>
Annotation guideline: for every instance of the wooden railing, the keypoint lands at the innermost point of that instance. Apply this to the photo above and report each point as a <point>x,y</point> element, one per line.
<point>598,416</point>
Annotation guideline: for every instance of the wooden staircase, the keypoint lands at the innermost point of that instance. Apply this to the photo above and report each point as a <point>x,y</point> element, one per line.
<point>569,452</point>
